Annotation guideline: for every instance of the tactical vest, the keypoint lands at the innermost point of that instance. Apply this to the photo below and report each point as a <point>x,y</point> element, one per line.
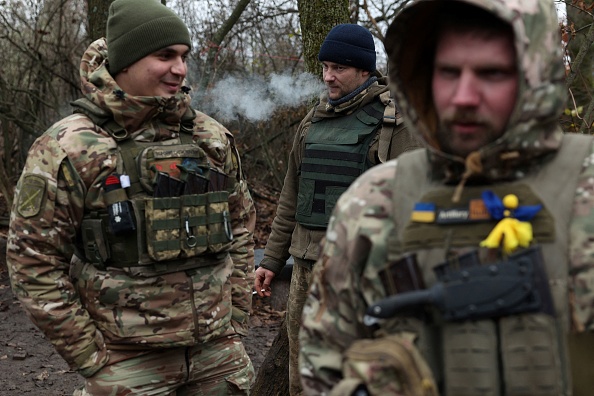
<point>180,229</point>
<point>335,155</point>
<point>523,354</point>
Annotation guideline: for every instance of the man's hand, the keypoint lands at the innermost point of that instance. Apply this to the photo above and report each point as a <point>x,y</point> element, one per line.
<point>262,282</point>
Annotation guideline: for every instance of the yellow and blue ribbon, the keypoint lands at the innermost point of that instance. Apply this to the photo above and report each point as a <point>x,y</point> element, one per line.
<point>513,229</point>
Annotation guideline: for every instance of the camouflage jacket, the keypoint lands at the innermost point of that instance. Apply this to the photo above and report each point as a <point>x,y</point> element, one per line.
<point>84,311</point>
<point>287,236</point>
<point>345,279</point>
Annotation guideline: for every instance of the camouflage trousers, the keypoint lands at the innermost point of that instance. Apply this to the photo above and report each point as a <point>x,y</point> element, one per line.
<point>219,367</point>
<point>300,280</point>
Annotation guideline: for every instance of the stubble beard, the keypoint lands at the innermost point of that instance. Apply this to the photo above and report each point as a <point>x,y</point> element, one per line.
<point>452,143</point>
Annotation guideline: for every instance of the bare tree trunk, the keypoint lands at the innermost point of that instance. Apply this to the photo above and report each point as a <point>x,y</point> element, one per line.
<point>580,81</point>
<point>6,188</point>
<point>273,376</point>
<point>317,17</point>
<point>218,38</point>
<point>97,17</point>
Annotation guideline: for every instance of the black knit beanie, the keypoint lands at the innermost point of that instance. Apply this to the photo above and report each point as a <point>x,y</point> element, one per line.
<point>137,28</point>
<point>349,45</point>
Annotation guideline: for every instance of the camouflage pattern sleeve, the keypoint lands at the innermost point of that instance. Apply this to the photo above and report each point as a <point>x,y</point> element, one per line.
<point>581,251</point>
<point>243,213</point>
<point>343,285</point>
<point>219,145</point>
<point>48,207</point>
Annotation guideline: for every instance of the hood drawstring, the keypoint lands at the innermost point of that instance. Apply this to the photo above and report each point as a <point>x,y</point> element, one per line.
<point>474,166</point>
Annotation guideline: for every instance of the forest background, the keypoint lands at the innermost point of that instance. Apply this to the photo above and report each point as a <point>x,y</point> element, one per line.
<point>253,67</point>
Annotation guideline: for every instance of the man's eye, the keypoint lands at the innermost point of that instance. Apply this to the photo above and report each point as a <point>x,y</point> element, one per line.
<point>447,72</point>
<point>496,74</point>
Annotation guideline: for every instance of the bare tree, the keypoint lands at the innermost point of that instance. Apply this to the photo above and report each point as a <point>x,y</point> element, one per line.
<point>375,15</point>
<point>579,35</point>
<point>40,42</point>
<point>97,11</point>
<point>265,41</point>
<point>220,35</point>
<point>317,18</point>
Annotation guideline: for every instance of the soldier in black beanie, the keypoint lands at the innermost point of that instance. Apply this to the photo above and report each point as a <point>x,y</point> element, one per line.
<point>353,127</point>
<point>134,264</point>
<point>349,45</point>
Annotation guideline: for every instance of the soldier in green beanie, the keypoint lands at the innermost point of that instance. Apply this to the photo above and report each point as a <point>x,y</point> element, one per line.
<point>131,238</point>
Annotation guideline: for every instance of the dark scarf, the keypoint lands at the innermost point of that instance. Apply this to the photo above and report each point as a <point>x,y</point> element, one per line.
<point>350,96</point>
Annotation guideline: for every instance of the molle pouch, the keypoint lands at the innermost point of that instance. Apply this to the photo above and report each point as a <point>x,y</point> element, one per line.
<point>196,184</point>
<point>531,356</point>
<point>218,180</point>
<point>220,233</point>
<point>194,218</point>
<point>187,226</point>
<point>94,241</point>
<point>470,359</point>
<point>121,218</point>
<point>206,223</point>
<point>166,185</point>
<point>163,228</point>
<point>170,159</point>
<point>402,275</point>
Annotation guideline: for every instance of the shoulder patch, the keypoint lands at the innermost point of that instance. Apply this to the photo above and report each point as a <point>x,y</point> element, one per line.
<point>31,196</point>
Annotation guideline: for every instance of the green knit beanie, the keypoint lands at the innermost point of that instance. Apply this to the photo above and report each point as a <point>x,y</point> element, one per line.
<point>137,28</point>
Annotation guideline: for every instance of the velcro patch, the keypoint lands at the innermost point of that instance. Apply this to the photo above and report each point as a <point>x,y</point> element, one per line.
<point>32,195</point>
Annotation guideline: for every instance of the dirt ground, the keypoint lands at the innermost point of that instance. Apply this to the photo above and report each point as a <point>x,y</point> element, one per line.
<point>29,364</point>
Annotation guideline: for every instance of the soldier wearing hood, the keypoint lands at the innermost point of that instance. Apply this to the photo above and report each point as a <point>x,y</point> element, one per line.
<point>464,268</point>
<point>131,237</point>
<point>354,126</point>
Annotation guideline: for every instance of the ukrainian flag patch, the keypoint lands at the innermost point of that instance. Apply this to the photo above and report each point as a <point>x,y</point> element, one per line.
<point>423,212</point>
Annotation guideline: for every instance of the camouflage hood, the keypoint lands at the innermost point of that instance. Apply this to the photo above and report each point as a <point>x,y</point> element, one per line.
<point>147,118</point>
<point>532,131</point>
